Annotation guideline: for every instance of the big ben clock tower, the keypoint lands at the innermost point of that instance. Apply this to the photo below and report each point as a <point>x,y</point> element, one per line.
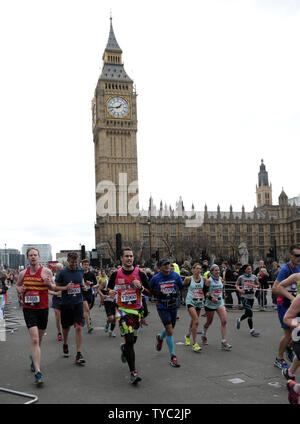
<point>114,135</point>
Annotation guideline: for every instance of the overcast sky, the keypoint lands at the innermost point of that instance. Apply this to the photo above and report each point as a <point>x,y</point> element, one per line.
<point>218,90</point>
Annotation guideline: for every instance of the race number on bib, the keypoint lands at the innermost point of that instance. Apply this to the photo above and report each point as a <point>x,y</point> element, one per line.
<point>217,294</point>
<point>129,296</point>
<point>198,294</point>
<point>296,331</point>
<point>167,288</point>
<point>32,298</point>
<point>74,290</point>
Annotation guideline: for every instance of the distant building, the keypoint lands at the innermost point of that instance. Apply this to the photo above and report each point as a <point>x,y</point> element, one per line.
<point>11,259</point>
<point>267,231</point>
<point>44,249</point>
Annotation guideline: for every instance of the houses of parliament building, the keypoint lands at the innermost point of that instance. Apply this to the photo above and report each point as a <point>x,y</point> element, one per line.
<point>161,231</point>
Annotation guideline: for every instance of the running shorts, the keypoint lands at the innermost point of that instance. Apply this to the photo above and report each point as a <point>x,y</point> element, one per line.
<point>128,323</point>
<point>192,306</point>
<point>71,315</point>
<point>36,318</point>
<point>88,296</point>
<point>110,308</point>
<point>56,302</point>
<point>168,316</point>
<point>281,310</point>
<point>296,347</point>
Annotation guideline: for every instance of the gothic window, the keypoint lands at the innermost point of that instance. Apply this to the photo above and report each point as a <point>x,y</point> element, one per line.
<point>225,229</point>
<point>261,240</point>
<point>212,228</point>
<point>261,228</point>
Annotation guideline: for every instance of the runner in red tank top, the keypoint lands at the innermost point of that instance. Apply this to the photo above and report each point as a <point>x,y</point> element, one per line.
<point>33,283</point>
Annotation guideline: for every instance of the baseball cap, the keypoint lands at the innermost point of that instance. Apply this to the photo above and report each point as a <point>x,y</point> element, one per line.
<point>164,261</point>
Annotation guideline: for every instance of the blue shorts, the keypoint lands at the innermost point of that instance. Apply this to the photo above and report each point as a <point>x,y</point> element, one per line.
<point>168,316</point>
<point>281,310</point>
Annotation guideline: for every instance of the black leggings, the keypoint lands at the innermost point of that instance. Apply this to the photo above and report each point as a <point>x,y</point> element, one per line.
<point>128,350</point>
<point>248,304</point>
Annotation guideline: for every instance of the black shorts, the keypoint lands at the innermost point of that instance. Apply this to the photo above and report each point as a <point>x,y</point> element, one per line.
<point>71,315</point>
<point>36,318</point>
<point>296,347</point>
<point>192,306</point>
<point>110,308</point>
<point>56,302</point>
<point>88,296</point>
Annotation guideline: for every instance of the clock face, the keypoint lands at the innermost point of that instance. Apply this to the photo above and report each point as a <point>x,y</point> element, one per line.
<point>117,107</point>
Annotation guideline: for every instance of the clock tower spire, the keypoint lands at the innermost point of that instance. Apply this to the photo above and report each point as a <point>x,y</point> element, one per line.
<point>115,150</point>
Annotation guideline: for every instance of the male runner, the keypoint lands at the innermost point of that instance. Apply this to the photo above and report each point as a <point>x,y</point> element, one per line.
<point>283,303</point>
<point>128,283</point>
<point>109,302</point>
<point>90,281</point>
<point>165,288</point>
<point>33,283</point>
<point>291,318</point>
<point>70,282</point>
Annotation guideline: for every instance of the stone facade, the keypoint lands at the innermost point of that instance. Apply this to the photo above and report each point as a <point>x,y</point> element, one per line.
<point>162,230</point>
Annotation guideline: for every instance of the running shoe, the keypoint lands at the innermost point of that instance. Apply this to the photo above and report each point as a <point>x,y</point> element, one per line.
<point>106,328</point>
<point>159,343</point>
<point>32,365</point>
<point>290,353</point>
<point>187,340</point>
<point>226,346</point>
<point>254,333</point>
<point>59,337</point>
<point>79,360</point>
<point>123,357</point>
<point>204,340</point>
<point>90,328</point>
<point>286,373</point>
<point>238,323</point>
<point>143,322</point>
<point>111,334</point>
<point>38,378</point>
<point>197,348</point>
<point>293,396</point>
<point>134,378</point>
<point>174,361</point>
<point>280,363</point>
<point>66,350</point>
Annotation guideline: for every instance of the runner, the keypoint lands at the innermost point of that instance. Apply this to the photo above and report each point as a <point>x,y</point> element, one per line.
<point>245,285</point>
<point>127,283</point>
<point>194,302</point>
<point>109,302</point>
<point>291,316</point>
<point>33,283</point>
<point>88,295</point>
<point>292,320</point>
<point>165,288</point>
<point>56,303</point>
<point>70,282</point>
<point>283,303</point>
<point>214,303</point>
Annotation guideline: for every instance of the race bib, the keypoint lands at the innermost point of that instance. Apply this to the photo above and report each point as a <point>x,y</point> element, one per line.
<point>74,290</point>
<point>198,294</point>
<point>167,288</point>
<point>296,332</point>
<point>32,298</point>
<point>217,294</point>
<point>128,296</point>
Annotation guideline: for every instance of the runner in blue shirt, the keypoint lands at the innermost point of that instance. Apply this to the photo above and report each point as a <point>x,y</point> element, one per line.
<point>283,303</point>
<point>165,288</point>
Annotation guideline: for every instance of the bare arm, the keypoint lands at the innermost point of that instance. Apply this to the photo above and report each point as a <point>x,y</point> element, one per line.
<point>292,312</point>
<point>281,287</point>
<point>187,281</point>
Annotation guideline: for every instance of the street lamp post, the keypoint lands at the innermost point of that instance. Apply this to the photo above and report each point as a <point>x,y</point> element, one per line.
<point>150,246</point>
<point>5,264</point>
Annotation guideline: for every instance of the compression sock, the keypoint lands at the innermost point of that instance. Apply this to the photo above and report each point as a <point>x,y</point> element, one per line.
<point>163,334</point>
<point>170,343</point>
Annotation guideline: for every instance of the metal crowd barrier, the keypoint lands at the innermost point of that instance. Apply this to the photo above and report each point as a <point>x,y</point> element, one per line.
<point>33,398</point>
